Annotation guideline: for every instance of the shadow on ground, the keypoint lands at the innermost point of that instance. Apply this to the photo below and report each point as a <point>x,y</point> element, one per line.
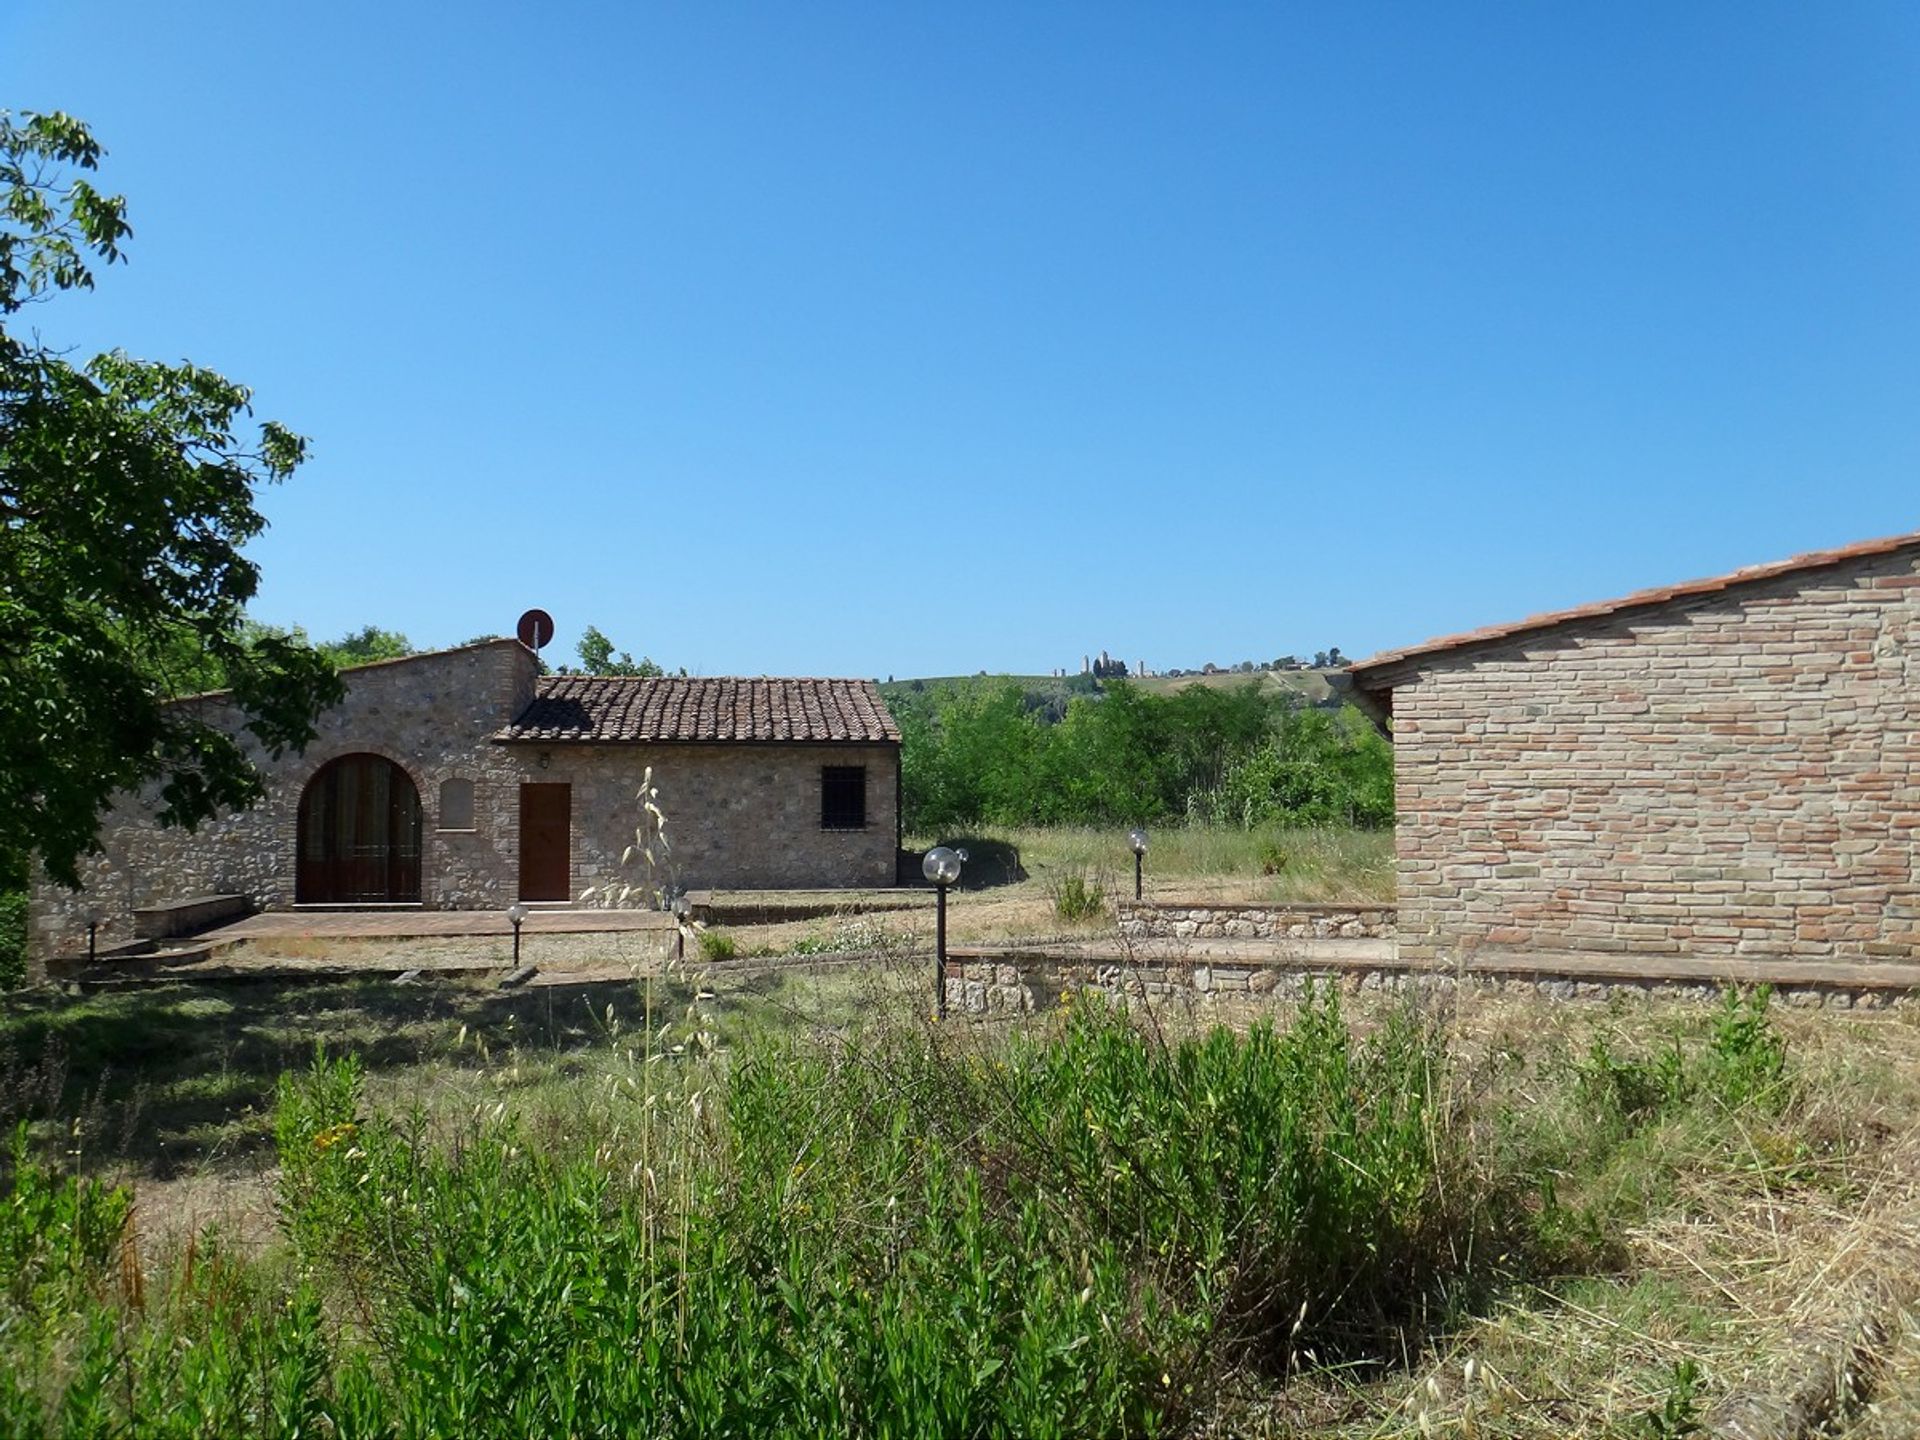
<point>990,863</point>
<point>163,1079</point>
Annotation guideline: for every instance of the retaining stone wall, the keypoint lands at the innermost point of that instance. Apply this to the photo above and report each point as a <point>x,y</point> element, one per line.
<point>1010,986</point>
<point>1180,920</point>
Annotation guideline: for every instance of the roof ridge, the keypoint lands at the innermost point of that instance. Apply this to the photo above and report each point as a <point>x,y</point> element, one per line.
<point>347,670</point>
<point>655,679</point>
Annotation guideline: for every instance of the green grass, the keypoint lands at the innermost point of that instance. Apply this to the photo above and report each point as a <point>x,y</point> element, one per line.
<point>1064,1233</point>
<point>169,1080</point>
<point>796,1207</point>
<point>668,1205</point>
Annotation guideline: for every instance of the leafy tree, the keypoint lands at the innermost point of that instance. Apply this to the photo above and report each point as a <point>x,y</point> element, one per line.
<point>367,644</point>
<point>597,657</point>
<point>997,754</point>
<point>126,494</point>
<point>1316,768</point>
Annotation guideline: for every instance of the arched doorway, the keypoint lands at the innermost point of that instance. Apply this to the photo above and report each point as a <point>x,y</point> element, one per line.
<point>359,835</point>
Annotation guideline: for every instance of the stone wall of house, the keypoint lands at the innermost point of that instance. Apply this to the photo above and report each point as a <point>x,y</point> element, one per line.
<point>1736,774</point>
<point>430,714</point>
<point>1184,920</point>
<point>738,815</point>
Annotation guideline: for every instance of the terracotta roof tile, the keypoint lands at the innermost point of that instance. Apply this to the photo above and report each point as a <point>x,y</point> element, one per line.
<point>611,708</point>
<point>1365,672</point>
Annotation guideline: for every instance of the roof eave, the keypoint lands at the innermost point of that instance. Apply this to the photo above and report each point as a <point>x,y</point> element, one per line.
<point>615,740</point>
<point>1378,674</point>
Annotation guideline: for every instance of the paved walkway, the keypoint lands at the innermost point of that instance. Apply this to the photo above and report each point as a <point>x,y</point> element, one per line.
<point>424,924</point>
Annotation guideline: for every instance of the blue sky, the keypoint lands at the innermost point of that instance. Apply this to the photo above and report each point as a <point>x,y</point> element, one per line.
<point>897,339</point>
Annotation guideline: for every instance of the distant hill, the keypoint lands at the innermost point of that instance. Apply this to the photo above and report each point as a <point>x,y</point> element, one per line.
<point>1309,685</point>
<point>1044,692</point>
<point>1052,692</point>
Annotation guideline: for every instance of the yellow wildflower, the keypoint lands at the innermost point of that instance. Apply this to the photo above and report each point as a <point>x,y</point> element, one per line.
<point>333,1135</point>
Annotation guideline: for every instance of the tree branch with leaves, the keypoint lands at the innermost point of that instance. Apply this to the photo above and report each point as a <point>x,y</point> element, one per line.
<point>127,492</point>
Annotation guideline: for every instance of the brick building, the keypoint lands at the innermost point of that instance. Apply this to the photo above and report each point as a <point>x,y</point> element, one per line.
<point>1726,767</point>
<point>464,779</point>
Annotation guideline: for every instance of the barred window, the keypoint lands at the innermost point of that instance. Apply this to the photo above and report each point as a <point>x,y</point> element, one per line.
<point>843,797</point>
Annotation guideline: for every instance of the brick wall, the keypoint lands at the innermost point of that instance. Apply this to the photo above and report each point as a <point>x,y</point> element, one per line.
<point>739,815</point>
<point>1729,775</point>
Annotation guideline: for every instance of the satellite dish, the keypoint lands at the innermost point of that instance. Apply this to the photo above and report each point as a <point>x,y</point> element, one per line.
<point>535,629</point>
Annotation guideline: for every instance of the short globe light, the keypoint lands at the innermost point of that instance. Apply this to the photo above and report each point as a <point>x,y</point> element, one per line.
<point>516,913</point>
<point>942,866</point>
<point>1137,840</point>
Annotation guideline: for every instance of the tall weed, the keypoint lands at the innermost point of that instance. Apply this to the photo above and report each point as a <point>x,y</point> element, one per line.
<point>1074,1229</point>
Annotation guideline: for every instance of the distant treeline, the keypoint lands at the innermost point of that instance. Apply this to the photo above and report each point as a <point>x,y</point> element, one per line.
<point>991,752</point>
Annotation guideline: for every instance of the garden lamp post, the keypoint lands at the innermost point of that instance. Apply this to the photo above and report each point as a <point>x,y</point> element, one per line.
<point>1137,842</point>
<point>942,867</point>
<point>517,913</point>
<point>680,908</point>
<point>93,918</point>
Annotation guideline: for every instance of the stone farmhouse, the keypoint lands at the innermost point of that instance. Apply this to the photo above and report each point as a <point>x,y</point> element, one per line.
<point>1729,767</point>
<point>465,779</point>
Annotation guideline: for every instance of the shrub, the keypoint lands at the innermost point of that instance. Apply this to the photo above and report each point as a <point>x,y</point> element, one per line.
<point>1627,1090</point>
<point>1743,1063</point>
<point>717,945</point>
<point>56,1231</point>
<point>859,934</point>
<point>1746,1059</point>
<point>1075,898</point>
<point>1067,1231</point>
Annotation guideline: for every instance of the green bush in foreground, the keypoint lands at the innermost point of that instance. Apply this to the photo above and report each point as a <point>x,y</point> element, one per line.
<point>1074,1231</point>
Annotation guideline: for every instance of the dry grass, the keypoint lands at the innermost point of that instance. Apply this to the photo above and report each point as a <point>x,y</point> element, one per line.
<point>1894,1411</point>
<point>1012,883</point>
<point>1758,1243</point>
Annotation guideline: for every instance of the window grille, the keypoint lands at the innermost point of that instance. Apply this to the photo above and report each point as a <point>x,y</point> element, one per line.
<point>843,797</point>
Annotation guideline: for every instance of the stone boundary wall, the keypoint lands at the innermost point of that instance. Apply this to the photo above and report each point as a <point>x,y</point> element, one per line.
<point>1212,920</point>
<point>1007,986</point>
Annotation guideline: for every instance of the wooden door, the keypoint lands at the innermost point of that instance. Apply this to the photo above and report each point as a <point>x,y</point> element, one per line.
<point>546,816</point>
<point>359,835</point>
